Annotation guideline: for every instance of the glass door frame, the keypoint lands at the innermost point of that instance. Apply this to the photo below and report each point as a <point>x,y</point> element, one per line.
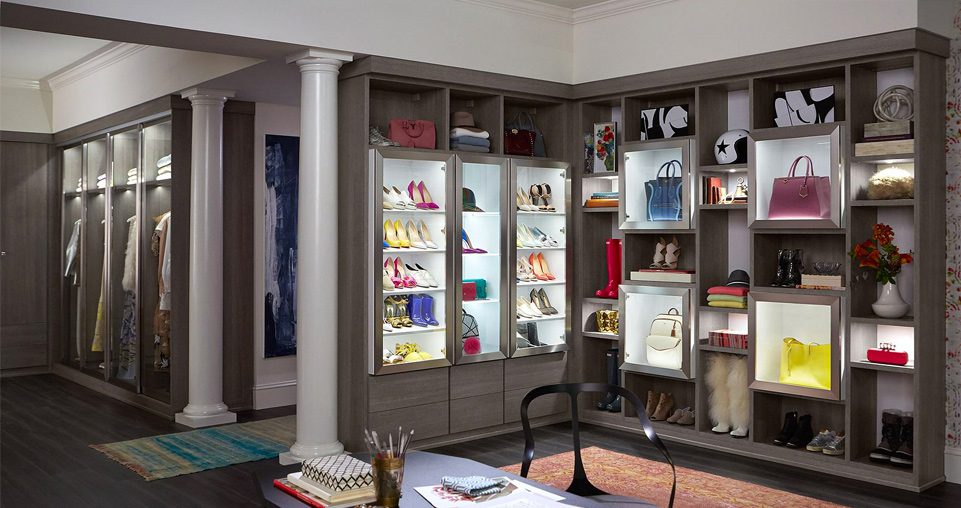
<point>515,164</point>
<point>376,255</point>
<point>506,247</point>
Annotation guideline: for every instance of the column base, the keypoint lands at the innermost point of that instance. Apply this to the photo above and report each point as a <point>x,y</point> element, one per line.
<point>299,453</point>
<point>198,421</point>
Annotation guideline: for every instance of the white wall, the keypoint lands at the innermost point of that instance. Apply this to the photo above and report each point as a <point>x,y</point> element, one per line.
<point>275,379</point>
<point>142,76</point>
<point>459,33</point>
<point>24,109</point>
<point>685,32</point>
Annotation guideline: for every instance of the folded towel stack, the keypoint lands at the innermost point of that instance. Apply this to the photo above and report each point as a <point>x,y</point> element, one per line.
<point>474,486</point>
<point>163,168</point>
<point>727,297</point>
<point>80,184</point>
<point>102,181</point>
<point>470,139</point>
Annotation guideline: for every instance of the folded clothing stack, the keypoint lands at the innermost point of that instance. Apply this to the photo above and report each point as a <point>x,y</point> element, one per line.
<point>465,136</point>
<point>132,176</point>
<point>102,181</point>
<point>163,168</point>
<point>474,486</point>
<point>727,297</point>
<point>602,199</point>
<point>80,184</point>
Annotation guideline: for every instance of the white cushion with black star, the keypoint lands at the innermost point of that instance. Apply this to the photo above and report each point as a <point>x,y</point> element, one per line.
<point>338,473</point>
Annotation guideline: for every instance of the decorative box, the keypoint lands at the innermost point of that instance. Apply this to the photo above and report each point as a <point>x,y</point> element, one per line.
<point>338,473</point>
<point>468,291</point>
<point>886,354</point>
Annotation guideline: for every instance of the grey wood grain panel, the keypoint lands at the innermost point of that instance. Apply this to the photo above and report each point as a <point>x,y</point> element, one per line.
<point>476,412</point>
<point>26,137</point>
<point>132,114</point>
<point>180,254</point>
<point>238,160</point>
<point>533,371</point>
<point>427,420</point>
<point>474,379</point>
<point>408,389</point>
<point>542,406</point>
<point>23,345</point>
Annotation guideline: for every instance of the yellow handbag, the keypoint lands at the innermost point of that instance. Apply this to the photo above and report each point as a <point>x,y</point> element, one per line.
<point>805,364</point>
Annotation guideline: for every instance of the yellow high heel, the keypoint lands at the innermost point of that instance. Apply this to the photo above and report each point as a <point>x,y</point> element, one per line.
<point>390,235</point>
<point>401,233</point>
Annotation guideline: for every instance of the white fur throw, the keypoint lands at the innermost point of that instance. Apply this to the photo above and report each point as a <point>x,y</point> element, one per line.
<point>891,183</point>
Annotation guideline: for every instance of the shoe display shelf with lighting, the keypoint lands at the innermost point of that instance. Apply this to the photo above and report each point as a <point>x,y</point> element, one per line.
<point>717,238</point>
<point>125,179</point>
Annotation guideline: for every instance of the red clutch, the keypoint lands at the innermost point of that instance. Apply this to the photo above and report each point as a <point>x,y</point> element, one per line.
<point>469,291</point>
<point>888,356</point>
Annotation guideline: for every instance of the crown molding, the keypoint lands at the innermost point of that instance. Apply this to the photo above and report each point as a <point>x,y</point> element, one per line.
<point>565,15</point>
<point>110,54</point>
<point>611,8</point>
<point>30,84</point>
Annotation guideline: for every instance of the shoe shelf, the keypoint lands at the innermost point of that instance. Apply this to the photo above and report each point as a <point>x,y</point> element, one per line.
<point>551,317</point>
<point>409,291</point>
<point>394,250</point>
<point>535,283</point>
<point>414,330</point>
<point>519,249</point>
<point>414,212</point>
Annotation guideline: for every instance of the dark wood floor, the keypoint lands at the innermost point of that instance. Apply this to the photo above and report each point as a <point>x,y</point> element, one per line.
<point>47,425</point>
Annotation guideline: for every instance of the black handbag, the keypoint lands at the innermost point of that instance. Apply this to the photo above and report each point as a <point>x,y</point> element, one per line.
<point>664,193</point>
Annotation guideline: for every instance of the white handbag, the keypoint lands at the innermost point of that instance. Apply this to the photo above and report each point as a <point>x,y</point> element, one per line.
<point>664,342</point>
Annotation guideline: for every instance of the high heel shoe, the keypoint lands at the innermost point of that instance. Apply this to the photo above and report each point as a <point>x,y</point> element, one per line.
<point>427,310</point>
<point>523,203</point>
<point>404,202</point>
<point>402,274</point>
<point>526,238</point>
<point>546,197</point>
<point>430,278</point>
<point>391,271</point>
<point>524,271</point>
<point>538,269</point>
<point>426,195</point>
<point>659,252</point>
<point>388,282</point>
<point>544,238</point>
<point>539,300</point>
<point>413,190</point>
<point>415,239</point>
<point>401,235</point>
<point>526,310</point>
<point>543,264</point>
<point>418,276</point>
<point>391,314</point>
<point>388,202</point>
<point>542,295</point>
<point>425,235</point>
<point>390,235</point>
<point>672,252</point>
<point>535,195</point>
<point>470,249</point>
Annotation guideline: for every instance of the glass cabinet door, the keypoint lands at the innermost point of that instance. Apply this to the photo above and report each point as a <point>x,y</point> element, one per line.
<point>72,229</point>
<point>656,185</point>
<point>96,163</point>
<point>124,257</point>
<point>155,275</point>
<point>480,332</point>
<point>412,255</point>
<point>539,236</point>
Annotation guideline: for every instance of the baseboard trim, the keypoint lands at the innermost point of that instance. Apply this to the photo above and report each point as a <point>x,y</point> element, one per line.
<point>25,371</point>
<point>952,464</point>
<point>277,394</point>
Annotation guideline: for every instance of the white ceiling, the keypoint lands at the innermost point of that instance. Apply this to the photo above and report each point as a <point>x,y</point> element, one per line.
<point>572,4</point>
<point>29,55</point>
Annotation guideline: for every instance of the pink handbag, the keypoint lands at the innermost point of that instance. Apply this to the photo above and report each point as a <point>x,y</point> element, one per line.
<point>413,133</point>
<point>801,197</point>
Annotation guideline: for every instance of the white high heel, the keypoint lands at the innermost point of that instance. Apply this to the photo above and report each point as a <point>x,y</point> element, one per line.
<point>406,202</point>
<point>424,234</point>
<point>427,276</point>
<point>523,202</point>
<point>388,199</point>
<point>673,250</point>
<point>525,236</point>
<point>524,271</point>
<point>659,252</point>
<point>415,240</point>
<point>526,310</point>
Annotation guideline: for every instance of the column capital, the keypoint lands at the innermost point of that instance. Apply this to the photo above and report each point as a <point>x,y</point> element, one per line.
<point>206,95</point>
<point>314,56</point>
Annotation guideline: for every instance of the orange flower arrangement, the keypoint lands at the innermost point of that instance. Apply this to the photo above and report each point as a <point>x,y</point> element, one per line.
<point>880,254</point>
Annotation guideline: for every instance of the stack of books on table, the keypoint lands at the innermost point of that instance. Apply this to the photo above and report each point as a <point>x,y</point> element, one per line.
<point>331,482</point>
<point>602,200</point>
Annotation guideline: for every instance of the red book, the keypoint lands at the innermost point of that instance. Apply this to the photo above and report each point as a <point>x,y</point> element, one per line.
<point>299,493</point>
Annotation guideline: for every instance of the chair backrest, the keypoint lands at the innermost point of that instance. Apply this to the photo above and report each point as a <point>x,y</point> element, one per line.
<point>580,485</point>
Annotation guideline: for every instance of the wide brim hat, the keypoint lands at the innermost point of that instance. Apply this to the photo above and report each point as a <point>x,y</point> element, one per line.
<point>470,201</point>
<point>463,120</point>
<point>738,278</point>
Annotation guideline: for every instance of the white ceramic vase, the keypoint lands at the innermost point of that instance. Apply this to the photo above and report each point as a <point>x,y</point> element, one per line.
<point>890,304</point>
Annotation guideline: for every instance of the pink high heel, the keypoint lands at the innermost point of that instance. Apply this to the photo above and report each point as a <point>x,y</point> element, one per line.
<point>392,272</point>
<point>402,273</point>
<point>424,193</point>
<point>415,195</point>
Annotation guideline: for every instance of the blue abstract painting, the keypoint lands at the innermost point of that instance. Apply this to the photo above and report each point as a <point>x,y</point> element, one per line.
<point>281,157</point>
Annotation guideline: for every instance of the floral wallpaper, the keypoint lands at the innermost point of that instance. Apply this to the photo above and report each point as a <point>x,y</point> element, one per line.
<point>953,247</point>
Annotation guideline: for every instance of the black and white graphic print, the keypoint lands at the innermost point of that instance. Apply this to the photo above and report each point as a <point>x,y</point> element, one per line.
<point>804,106</point>
<point>666,122</point>
<point>338,473</point>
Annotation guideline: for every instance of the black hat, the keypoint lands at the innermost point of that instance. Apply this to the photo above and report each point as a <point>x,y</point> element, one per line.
<point>470,202</point>
<point>738,278</point>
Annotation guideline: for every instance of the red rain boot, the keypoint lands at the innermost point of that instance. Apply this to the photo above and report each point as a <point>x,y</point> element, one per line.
<point>613,269</point>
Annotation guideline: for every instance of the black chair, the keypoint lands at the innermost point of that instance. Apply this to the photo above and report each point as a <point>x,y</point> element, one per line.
<point>580,485</point>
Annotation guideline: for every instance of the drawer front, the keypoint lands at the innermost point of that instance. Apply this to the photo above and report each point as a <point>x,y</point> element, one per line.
<point>544,405</point>
<point>429,420</point>
<point>476,379</point>
<point>534,371</point>
<point>407,389</point>
<point>476,412</point>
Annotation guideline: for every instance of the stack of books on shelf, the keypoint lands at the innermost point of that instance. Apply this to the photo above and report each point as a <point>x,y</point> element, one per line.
<point>712,193</point>
<point>331,482</point>
<point>602,200</point>
<point>812,281</point>
<point>727,338</point>
<point>886,138</point>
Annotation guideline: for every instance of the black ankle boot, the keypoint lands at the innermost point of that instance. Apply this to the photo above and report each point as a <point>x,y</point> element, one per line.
<point>781,274</point>
<point>890,436</point>
<point>788,430</point>
<point>615,407</point>
<point>904,457</point>
<point>612,378</point>
<point>793,269</point>
<point>804,434</point>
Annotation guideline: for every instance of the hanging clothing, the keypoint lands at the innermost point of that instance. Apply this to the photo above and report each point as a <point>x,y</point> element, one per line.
<point>101,325</point>
<point>70,255</point>
<point>127,354</point>
<point>163,264</point>
<point>160,247</point>
<point>129,281</point>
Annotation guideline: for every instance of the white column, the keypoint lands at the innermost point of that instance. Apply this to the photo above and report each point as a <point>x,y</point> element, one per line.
<point>317,254</point>
<point>205,398</point>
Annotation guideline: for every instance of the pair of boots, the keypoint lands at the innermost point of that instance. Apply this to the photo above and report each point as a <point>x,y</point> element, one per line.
<point>729,402</point>
<point>613,269</point>
<point>897,439</point>
<point>611,402</point>
<point>789,263</point>
<point>796,431</point>
<point>659,405</point>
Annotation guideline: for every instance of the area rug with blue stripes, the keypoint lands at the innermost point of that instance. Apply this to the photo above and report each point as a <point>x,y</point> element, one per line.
<point>170,455</point>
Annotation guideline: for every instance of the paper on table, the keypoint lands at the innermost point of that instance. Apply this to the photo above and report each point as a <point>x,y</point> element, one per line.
<point>517,494</point>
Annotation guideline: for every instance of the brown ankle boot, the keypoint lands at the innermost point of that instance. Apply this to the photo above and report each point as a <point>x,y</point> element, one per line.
<point>664,407</point>
<point>651,403</point>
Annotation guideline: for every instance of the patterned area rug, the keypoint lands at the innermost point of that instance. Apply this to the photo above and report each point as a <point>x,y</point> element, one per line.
<point>650,481</point>
<point>170,455</point>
